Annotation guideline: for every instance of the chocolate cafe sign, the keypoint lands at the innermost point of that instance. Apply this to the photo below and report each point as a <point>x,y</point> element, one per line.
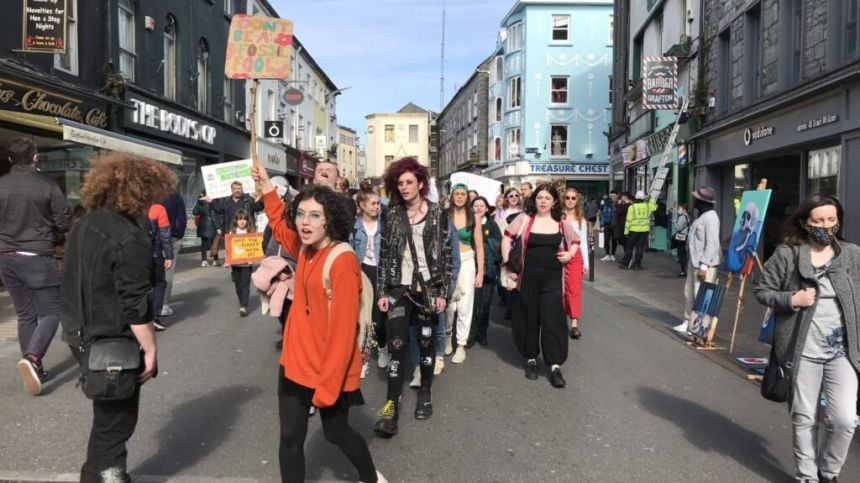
<point>18,97</point>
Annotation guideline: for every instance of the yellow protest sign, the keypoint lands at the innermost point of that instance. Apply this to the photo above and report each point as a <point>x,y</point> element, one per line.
<point>259,48</point>
<point>241,249</point>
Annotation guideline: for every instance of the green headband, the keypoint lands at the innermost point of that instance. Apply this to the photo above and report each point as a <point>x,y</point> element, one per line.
<point>459,186</point>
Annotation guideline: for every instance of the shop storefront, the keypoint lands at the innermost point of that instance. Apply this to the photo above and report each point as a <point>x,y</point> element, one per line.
<point>273,156</point>
<point>201,141</point>
<point>800,150</point>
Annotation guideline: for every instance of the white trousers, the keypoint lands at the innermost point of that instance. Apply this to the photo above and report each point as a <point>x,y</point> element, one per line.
<point>837,380</point>
<point>691,288</point>
<point>464,298</point>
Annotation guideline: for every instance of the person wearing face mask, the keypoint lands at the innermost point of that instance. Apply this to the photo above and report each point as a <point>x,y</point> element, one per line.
<point>810,281</point>
<point>703,249</point>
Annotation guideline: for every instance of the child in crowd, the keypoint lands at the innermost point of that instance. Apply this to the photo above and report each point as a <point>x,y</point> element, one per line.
<point>242,224</point>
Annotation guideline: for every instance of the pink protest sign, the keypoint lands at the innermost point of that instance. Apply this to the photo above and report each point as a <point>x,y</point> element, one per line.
<point>259,48</point>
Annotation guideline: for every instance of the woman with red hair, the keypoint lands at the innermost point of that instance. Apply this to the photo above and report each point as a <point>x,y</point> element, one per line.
<point>413,277</point>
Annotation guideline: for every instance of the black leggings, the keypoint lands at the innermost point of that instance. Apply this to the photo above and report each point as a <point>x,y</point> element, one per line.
<point>205,247</point>
<point>377,315</point>
<point>401,314</point>
<point>335,423</point>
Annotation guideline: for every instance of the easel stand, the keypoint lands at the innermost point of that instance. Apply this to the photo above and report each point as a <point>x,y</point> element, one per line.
<point>761,187</point>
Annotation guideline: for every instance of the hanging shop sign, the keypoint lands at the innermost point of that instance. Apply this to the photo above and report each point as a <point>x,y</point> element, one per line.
<point>45,26</point>
<point>293,96</point>
<point>20,97</point>
<point>659,83</point>
<point>259,48</point>
<point>151,116</point>
<point>569,168</point>
<point>635,152</point>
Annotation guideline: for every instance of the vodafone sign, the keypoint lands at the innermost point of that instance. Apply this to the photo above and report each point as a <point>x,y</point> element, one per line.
<point>294,96</point>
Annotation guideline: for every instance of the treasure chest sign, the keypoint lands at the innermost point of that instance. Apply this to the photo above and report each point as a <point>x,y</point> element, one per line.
<point>659,83</point>
<point>259,48</point>
<point>247,248</point>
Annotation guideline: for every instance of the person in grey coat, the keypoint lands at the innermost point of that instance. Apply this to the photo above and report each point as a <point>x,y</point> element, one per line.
<point>811,283</point>
<point>703,248</point>
<point>207,227</point>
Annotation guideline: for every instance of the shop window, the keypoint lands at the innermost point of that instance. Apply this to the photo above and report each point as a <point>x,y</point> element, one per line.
<point>169,61</point>
<point>413,133</point>
<point>823,171</point>
<point>558,90</point>
<point>69,61</point>
<point>389,133</point>
<point>560,24</point>
<point>125,22</point>
<point>558,141</point>
<point>515,92</point>
<point>203,77</point>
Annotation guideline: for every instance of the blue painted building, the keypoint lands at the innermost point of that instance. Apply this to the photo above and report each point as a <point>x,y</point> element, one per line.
<point>549,94</point>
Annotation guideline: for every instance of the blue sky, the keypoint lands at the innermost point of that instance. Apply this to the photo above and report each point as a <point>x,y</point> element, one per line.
<point>388,51</point>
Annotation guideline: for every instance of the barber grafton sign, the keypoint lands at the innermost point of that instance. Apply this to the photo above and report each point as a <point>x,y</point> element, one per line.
<point>44,26</point>
<point>659,83</point>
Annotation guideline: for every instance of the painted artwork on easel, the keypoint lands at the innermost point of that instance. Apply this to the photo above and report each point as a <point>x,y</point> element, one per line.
<point>706,311</point>
<point>747,231</point>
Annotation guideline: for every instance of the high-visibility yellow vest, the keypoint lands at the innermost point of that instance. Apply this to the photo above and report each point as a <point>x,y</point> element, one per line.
<point>639,217</point>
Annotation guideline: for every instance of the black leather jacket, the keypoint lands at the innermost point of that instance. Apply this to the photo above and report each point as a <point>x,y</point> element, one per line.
<point>106,284</point>
<point>437,247</point>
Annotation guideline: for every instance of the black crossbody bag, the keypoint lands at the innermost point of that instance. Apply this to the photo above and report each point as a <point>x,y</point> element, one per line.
<point>427,304</point>
<point>777,380</point>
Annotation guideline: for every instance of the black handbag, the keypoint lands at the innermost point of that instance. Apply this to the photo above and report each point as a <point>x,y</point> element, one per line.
<point>110,369</point>
<point>515,254</point>
<point>776,383</point>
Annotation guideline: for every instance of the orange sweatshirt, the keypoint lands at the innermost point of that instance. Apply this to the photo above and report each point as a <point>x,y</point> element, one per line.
<point>319,348</point>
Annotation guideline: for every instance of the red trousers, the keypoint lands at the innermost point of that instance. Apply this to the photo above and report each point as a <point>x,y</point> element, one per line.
<point>573,286</point>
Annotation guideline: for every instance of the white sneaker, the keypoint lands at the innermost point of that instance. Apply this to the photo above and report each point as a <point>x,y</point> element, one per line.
<point>612,258</point>
<point>166,311</point>
<point>448,347</point>
<point>384,358</point>
<point>440,365</point>
<point>204,263</point>
<point>416,378</point>
<point>606,258</point>
<point>364,369</point>
<point>459,356</point>
<point>682,327</point>
<point>379,478</point>
<point>159,327</point>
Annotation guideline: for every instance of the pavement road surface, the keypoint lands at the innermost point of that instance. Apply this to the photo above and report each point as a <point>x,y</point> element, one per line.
<point>639,406</point>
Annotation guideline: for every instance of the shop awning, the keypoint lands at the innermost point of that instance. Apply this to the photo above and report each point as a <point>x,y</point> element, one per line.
<point>83,134</point>
<point>37,121</point>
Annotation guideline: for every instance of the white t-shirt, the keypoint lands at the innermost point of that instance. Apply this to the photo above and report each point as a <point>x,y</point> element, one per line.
<point>408,266</point>
<point>369,252</point>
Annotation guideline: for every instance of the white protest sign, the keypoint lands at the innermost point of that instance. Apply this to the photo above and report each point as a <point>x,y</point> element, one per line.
<point>486,187</point>
<point>217,178</point>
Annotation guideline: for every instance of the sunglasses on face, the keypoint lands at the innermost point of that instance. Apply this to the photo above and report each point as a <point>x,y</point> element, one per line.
<point>513,195</point>
<point>570,198</point>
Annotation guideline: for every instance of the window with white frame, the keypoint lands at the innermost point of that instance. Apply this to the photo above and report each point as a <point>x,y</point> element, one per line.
<point>69,61</point>
<point>560,26</point>
<point>228,99</point>
<point>515,37</point>
<point>413,133</point>
<point>515,92</point>
<point>514,143</point>
<point>558,90</point>
<point>125,22</point>
<point>558,140</point>
<point>169,61</point>
<point>203,77</point>
<point>389,133</point>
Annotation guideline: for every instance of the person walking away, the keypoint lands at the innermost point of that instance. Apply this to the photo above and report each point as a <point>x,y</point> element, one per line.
<point>412,282</point>
<point>471,274</point>
<point>206,227</point>
<point>810,281</point>
<point>591,211</point>
<point>320,364</point>
<point>577,267</point>
<point>679,239</point>
<point>539,323</point>
<point>105,291</point>
<point>492,237</point>
<point>33,211</point>
<point>637,227</point>
<point>607,226</point>
<point>703,249</point>
<point>178,218</point>
<point>162,258</point>
<point>241,273</point>
<point>366,241</point>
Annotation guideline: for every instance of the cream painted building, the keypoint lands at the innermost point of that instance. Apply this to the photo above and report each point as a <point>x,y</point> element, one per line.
<point>347,154</point>
<point>397,135</point>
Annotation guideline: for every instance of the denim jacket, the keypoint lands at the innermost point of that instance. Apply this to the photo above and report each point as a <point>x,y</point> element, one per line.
<point>358,239</point>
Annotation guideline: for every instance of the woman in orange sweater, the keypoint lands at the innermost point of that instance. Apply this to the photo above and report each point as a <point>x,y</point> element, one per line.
<point>320,363</point>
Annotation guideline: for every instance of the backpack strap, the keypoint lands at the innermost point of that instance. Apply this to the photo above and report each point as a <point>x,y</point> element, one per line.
<point>340,248</point>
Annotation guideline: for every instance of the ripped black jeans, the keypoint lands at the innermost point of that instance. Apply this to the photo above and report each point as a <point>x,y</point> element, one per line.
<point>403,313</point>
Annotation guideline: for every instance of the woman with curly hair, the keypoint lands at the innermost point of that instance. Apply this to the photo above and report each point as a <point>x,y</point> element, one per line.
<point>413,280</point>
<point>546,245</point>
<point>106,284</point>
<point>320,364</point>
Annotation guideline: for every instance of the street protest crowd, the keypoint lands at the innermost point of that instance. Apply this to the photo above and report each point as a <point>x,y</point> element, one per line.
<point>397,274</point>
